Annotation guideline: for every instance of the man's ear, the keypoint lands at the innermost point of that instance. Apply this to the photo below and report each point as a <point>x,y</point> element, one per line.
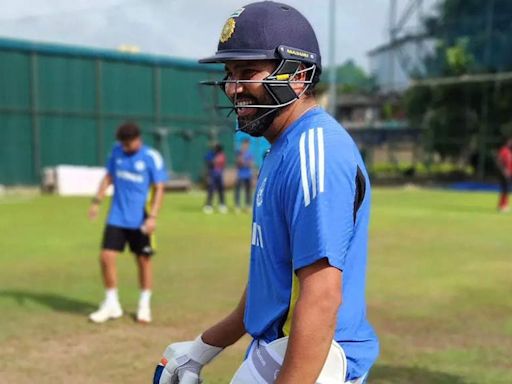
<point>302,76</point>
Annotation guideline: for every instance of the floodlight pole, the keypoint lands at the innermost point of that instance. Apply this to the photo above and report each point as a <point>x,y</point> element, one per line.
<point>332,57</point>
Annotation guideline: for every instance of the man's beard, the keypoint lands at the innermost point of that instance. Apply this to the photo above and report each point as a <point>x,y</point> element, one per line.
<point>257,124</point>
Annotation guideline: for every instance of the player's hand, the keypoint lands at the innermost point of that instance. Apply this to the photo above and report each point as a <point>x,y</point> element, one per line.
<point>182,362</point>
<point>149,225</point>
<point>93,211</point>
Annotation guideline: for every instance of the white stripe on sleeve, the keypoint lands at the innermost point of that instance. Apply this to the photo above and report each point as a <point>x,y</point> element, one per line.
<point>321,160</point>
<point>312,163</point>
<point>157,158</point>
<point>303,169</point>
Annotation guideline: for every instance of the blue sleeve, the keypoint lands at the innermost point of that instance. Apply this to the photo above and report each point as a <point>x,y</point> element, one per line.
<point>111,166</point>
<point>157,172</point>
<point>320,192</point>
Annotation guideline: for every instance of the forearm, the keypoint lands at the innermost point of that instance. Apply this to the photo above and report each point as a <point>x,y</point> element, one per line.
<point>229,330</point>
<point>102,189</point>
<point>158,197</point>
<point>312,332</point>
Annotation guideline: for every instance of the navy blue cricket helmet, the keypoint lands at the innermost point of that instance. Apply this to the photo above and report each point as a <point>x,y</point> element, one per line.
<point>258,31</point>
<point>269,30</point>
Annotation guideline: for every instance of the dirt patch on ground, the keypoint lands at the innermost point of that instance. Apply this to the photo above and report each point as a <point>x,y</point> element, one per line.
<point>465,331</point>
<point>120,351</point>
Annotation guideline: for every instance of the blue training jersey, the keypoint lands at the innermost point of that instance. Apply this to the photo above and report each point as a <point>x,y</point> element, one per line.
<point>132,176</point>
<point>304,210</point>
<point>245,170</point>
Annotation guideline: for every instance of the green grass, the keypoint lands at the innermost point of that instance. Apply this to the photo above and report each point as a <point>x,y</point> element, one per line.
<point>439,289</point>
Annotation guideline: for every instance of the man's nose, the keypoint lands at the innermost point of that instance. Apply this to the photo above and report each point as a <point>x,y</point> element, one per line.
<point>232,88</point>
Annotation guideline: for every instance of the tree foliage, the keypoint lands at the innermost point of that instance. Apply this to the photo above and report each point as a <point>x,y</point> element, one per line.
<point>350,78</point>
<point>483,29</point>
<point>473,37</point>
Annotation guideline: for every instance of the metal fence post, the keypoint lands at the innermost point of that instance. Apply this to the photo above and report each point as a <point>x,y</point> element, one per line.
<point>34,114</point>
<point>157,95</point>
<point>100,134</point>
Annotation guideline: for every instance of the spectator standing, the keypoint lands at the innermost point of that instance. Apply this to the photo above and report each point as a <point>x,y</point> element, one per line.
<point>504,162</point>
<point>216,163</point>
<point>244,164</point>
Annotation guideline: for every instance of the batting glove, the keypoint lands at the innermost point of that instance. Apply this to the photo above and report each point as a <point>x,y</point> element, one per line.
<point>182,362</point>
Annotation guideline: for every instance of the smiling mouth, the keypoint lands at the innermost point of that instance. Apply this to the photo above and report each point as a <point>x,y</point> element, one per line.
<point>244,108</point>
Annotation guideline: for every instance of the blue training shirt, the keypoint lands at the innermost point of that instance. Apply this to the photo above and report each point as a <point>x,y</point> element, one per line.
<point>245,171</point>
<point>132,176</point>
<point>303,212</point>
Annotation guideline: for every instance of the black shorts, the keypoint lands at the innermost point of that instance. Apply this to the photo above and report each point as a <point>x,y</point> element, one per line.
<point>115,239</point>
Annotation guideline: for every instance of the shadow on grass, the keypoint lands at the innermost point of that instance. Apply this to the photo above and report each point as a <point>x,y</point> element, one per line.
<point>389,374</point>
<point>56,302</point>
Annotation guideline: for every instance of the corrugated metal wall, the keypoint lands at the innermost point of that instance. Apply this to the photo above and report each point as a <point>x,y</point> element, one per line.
<point>62,105</point>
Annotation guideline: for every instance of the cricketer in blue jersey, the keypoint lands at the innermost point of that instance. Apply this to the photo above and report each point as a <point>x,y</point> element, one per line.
<point>304,303</point>
<point>307,210</point>
<point>137,174</point>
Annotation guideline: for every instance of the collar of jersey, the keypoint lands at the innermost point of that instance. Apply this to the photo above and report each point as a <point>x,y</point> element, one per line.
<point>282,139</point>
<point>131,155</point>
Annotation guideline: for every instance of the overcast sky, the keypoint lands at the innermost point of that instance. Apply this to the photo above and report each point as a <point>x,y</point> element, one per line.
<point>186,28</point>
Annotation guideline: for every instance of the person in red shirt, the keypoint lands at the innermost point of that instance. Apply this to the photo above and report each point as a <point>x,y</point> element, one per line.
<point>504,161</point>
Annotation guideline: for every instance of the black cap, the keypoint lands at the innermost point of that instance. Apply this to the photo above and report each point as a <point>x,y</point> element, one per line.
<point>267,30</point>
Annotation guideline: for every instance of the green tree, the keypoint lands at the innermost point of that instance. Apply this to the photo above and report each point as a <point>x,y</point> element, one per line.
<point>483,29</point>
<point>473,37</point>
<point>350,78</point>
